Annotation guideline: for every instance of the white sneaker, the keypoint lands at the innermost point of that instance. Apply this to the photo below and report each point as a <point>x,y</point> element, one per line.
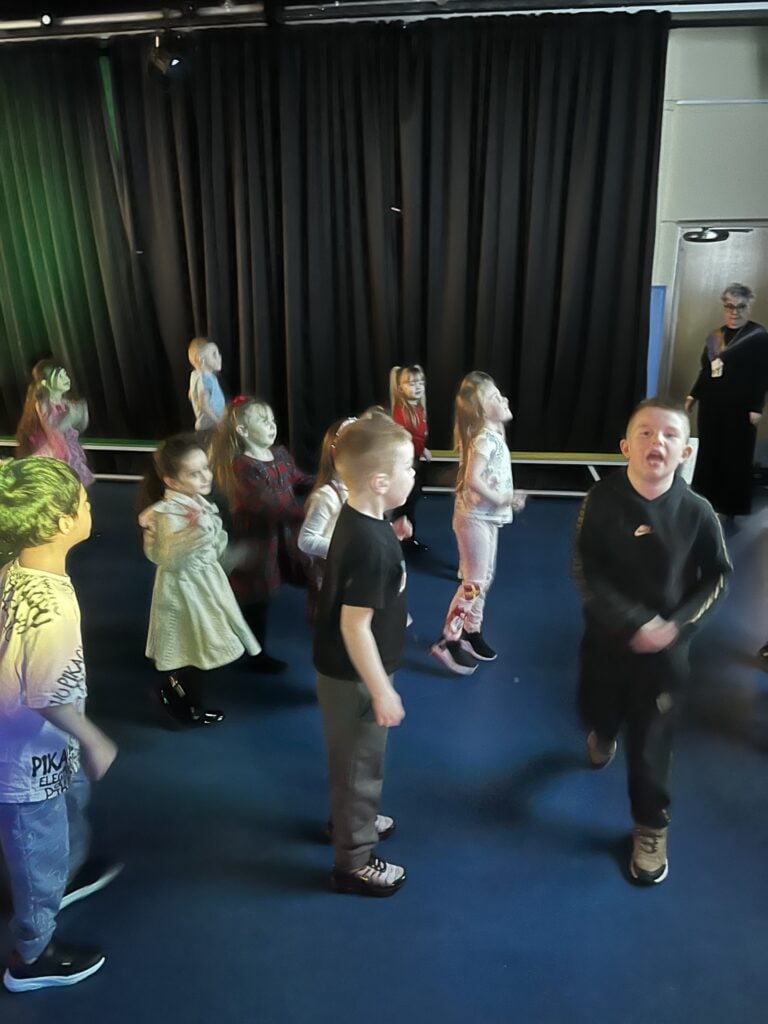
<point>376,878</point>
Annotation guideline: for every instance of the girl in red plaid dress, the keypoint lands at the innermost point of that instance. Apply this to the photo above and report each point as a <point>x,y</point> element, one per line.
<point>259,480</point>
<point>408,401</point>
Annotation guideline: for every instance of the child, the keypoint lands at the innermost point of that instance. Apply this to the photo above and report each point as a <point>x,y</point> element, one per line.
<point>485,500</point>
<point>358,642</point>
<point>205,392</point>
<point>44,732</point>
<point>51,424</point>
<point>408,401</point>
<point>650,560</point>
<point>324,502</point>
<point>195,623</point>
<point>259,482</point>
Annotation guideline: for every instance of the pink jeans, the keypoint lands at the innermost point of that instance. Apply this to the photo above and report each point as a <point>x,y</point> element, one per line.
<point>478,542</point>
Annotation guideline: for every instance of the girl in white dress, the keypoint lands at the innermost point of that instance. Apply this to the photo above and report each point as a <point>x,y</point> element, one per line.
<point>195,623</point>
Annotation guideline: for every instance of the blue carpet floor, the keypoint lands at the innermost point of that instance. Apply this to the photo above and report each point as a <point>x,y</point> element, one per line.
<point>517,908</point>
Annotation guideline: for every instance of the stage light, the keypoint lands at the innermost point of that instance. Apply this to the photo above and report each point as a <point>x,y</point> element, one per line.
<point>165,53</point>
<point>46,19</point>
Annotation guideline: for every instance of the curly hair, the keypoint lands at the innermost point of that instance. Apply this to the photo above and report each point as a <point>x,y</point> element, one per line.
<point>35,493</point>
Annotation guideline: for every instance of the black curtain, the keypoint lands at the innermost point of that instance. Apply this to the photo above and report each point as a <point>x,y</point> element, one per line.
<point>327,201</point>
<point>69,286</point>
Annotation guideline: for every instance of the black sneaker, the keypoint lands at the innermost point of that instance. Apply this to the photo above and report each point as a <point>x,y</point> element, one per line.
<point>385,826</point>
<point>453,656</point>
<point>377,878</point>
<point>474,644</point>
<point>94,875</point>
<point>265,664</point>
<point>56,966</point>
<point>600,753</point>
<point>414,545</point>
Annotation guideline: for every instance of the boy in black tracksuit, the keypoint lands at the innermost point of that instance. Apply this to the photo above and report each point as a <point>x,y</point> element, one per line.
<point>650,561</point>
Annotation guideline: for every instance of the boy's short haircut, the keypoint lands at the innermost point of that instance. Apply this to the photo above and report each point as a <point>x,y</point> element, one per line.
<point>35,493</point>
<point>367,447</point>
<point>667,405</point>
<point>196,349</point>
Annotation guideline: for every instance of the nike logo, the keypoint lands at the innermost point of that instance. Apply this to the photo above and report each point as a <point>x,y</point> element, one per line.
<point>642,530</point>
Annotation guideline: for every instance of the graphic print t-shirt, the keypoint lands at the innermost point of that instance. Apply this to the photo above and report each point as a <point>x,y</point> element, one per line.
<point>41,665</point>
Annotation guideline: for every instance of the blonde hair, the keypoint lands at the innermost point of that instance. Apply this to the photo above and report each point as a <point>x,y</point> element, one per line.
<point>469,417</point>
<point>197,349</point>
<point>396,398</point>
<point>227,442</point>
<point>368,446</point>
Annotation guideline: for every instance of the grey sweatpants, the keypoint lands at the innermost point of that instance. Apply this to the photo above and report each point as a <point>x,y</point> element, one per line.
<point>356,747</point>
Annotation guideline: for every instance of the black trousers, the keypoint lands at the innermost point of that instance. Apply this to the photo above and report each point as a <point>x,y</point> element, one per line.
<point>409,508</point>
<point>639,693</point>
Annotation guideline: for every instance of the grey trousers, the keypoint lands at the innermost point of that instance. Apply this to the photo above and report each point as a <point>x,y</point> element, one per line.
<point>356,747</point>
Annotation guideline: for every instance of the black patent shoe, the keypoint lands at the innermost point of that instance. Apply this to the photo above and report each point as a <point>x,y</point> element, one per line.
<point>174,702</point>
<point>200,717</point>
<point>264,664</point>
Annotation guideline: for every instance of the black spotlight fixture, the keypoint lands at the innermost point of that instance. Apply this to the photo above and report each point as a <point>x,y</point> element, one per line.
<point>166,52</point>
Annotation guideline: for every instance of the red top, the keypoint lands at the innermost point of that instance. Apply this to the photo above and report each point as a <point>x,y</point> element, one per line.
<point>417,430</point>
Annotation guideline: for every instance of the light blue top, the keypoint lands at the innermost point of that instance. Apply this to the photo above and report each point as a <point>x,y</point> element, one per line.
<point>207,399</point>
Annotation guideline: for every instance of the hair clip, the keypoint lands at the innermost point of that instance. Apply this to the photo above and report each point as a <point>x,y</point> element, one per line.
<point>344,424</point>
<point>239,400</point>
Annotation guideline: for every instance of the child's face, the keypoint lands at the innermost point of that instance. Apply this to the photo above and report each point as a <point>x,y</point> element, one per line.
<point>83,522</point>
<point>412,387</point>
<point>194,475</point>
<point>655,445</point>
<point>495,405</point>
<point>401,477</point>
<point>259,426</point>
<point>212,358</point>
<point>59,380</point>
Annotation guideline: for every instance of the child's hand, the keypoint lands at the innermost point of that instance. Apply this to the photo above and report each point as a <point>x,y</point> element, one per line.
<point>98,754</point>
<point>654,636</point>
<point>518,501</point>
<point>388,709</point>
<point>403,528</point>
<point>235,556</point>
<point>192,514</point>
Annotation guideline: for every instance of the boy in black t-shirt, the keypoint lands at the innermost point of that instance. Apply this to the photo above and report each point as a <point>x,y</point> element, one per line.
<point>359,633</point>
<point>650,561</point>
